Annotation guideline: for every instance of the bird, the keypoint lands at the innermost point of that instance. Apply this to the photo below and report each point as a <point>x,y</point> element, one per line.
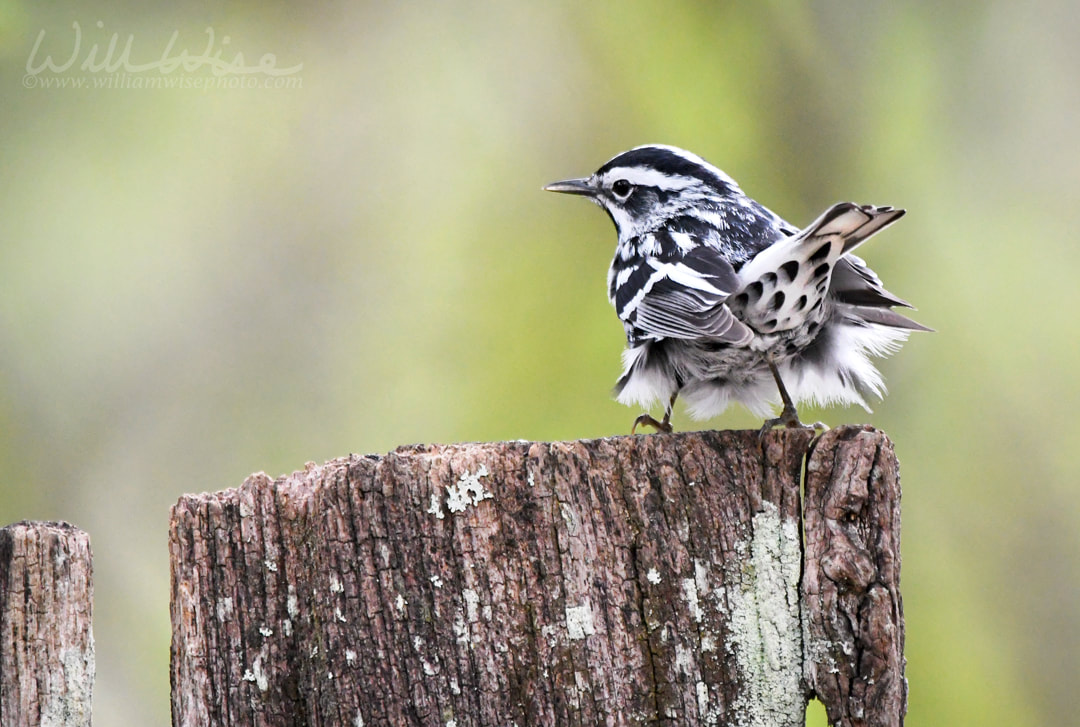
<point>723,301</point>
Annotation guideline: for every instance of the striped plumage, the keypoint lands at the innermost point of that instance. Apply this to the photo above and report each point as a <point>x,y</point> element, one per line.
<point>722,300</point>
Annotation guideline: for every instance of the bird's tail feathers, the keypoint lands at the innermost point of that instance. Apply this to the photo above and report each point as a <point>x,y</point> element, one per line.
<point>854,223</point>
<point>886,317</point>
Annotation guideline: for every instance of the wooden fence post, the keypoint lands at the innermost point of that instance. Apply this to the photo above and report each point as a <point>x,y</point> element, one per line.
<point>46,640</point>
<point>852,610</point>
<point>621,581</point>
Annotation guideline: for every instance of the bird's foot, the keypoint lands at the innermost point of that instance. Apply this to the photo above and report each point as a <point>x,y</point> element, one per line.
<point>649,421</point>
<point>789,418</point>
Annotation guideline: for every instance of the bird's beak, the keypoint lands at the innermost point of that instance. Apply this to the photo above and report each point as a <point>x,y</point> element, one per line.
<point>572,186</point>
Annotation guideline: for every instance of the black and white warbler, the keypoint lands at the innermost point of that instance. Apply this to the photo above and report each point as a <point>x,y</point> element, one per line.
<point>722,300</point>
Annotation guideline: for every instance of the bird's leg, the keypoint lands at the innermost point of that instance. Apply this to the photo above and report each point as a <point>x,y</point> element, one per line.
<point>788,417</point>
<point>661,426</point>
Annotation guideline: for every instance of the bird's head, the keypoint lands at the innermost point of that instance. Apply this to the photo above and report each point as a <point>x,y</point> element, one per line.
<point>643,188</point>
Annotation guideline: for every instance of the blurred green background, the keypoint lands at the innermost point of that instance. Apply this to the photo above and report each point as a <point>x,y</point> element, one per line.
<point>199,284</point>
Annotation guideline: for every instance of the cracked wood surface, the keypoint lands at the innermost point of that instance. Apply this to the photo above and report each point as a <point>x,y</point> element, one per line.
<point>851,584</point>
<point>46,641</point>
<point>620,581</point>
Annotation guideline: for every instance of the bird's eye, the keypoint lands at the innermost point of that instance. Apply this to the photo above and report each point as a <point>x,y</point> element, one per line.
<point>622,188</point>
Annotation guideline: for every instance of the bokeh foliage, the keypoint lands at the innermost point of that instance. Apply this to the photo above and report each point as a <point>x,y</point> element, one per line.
<point>197,285</point>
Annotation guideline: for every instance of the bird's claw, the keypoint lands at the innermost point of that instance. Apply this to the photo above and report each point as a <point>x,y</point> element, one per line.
<point>789,418</point>
<point>648,420</point>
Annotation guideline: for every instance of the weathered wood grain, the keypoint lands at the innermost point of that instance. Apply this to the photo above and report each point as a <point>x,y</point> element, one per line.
<point>46,638</point>
<point>851,582</point>
<point>621,581</point>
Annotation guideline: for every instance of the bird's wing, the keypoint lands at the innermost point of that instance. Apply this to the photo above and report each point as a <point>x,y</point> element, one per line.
<point>855,284</point>
<point>681,297</point>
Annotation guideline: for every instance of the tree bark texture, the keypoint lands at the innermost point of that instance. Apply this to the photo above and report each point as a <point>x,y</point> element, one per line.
<point>622,581</point>
<point>46,640</point>
<point>851,580</point>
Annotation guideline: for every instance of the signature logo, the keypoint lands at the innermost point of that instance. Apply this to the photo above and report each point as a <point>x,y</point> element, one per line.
<point>114,58</point>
